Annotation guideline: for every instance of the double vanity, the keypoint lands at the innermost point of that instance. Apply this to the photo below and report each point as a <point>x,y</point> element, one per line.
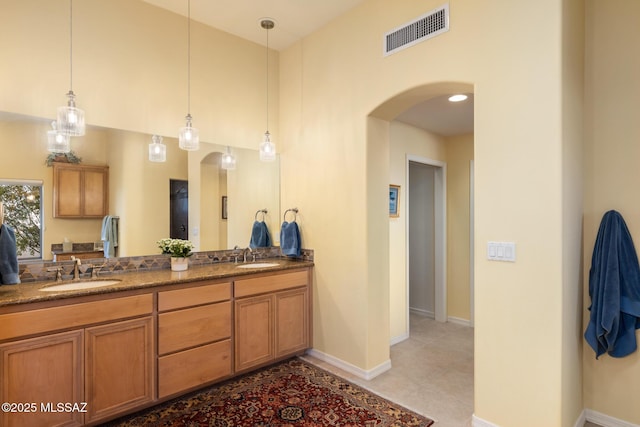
<point>84,352</point>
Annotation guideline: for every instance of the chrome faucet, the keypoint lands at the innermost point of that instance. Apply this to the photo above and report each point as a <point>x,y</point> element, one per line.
<point>76,267</point>
<point>244,253</point>
<point>58,271</point>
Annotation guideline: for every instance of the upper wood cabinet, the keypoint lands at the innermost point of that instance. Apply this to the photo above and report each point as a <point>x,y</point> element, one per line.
<point>80,191</point>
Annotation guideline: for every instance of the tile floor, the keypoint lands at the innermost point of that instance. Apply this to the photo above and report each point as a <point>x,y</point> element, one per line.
<point>432,373</point>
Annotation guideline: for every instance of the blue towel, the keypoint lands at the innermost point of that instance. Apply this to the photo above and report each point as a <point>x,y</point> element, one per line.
<point>109,235</point>
<point>9,272</point>
<point>260,237</point>
<point>290,239</point>
<point>614,288</point>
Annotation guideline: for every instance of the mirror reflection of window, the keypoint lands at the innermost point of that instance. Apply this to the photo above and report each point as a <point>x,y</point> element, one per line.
<point>23,212</point>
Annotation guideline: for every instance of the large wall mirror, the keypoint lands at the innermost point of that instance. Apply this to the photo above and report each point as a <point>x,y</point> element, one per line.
<point>139,190</point>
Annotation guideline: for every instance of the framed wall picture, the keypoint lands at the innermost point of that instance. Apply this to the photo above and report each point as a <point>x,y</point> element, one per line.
<point>224,207</point>
<point>394,200</point>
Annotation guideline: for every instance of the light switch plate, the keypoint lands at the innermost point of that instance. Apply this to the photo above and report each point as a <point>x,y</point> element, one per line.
<point>501,251</point>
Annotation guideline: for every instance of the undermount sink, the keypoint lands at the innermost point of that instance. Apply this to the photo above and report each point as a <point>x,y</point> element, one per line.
<point>77,286</point>
<point>259,265</point>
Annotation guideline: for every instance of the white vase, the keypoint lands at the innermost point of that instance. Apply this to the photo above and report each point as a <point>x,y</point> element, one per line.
<point>179,263</point>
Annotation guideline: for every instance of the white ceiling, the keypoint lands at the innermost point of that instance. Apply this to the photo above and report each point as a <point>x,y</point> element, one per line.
<point>296,19</point>
<point>439,115</point>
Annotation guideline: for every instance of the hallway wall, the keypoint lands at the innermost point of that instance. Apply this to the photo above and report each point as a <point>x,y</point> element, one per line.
<point>456,152</point>
<point>404,140</point>
<point>612,152</point>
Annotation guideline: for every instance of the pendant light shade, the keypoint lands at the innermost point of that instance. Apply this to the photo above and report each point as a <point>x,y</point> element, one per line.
<point>189,137</point>
<point>57,142</point>
<point>267,148</point>
<point>70,118</point>
<point>157,150</point>
<point>228,160</point>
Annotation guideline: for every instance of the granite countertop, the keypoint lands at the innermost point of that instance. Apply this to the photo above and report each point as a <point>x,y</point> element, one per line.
<point>30,292</point>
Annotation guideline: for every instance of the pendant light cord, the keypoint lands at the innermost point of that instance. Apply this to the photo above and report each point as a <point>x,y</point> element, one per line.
<point>267,79</point>
<point>189,58</point>
<point>70,46</point>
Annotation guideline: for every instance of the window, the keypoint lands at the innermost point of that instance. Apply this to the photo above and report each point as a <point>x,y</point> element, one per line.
<point>22,202</point>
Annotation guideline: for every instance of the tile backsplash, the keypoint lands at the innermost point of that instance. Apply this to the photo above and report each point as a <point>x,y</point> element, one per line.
<point>34,271</point>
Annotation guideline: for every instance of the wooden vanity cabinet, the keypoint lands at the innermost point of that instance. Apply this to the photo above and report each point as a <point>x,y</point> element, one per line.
<point>100,352</point>
<point>42,371</point>
<point>119,367</point>
<point>80,191</point>
<point>272,318</point>
<point>194,337</point>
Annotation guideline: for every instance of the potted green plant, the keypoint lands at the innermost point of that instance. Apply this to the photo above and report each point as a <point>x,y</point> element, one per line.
<point>179,250</point>
<point>69,157</point>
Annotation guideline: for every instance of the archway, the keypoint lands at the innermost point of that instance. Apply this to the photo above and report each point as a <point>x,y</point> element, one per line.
<point>398,252</point>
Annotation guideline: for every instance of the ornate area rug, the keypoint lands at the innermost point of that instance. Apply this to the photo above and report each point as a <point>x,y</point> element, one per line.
<point>291,394</point>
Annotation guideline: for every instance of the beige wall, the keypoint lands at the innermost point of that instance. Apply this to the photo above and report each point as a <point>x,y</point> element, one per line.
<point>459,156</point>
<point>611,385</point>
<point>130,70</point>
<point>337,98</point>
<point>515,69</point>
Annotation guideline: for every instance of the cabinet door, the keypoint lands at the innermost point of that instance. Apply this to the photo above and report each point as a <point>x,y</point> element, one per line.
<point>120,366</point>
<point>292,322</point>
<point>42,371</point>
<point>67,190</point>
<point>80,191</point>
<point>254,343</point>
<point>95,194</point>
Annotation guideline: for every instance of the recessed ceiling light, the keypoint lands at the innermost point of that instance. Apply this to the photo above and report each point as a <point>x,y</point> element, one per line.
<point>457,98</point>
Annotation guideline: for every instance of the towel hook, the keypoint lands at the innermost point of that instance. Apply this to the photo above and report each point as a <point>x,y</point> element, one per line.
<point>263,211</point>
<point>295,213</point>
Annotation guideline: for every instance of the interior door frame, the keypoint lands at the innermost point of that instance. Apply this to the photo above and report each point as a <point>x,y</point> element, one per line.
<point>440,215</point>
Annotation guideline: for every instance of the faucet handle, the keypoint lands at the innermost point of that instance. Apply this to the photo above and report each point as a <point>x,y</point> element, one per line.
<point>58,271</point>
<point>95,270</point>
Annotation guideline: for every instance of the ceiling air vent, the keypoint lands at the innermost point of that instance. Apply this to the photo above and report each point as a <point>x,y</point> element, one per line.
<point>425,27</point>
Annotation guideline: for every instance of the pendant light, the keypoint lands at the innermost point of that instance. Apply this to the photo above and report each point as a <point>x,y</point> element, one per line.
<point>189,137</point>
<point>228,160</point>
<point>71,118</point>
<point>157,150</point>
<point>57,142</point>
<point>267,148</point>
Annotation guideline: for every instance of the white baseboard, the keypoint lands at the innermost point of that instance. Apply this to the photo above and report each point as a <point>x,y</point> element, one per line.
<point>586,415</point>
<point>348,367</point>
<point>398,339</point>
<point>606,420</point>
<point>459,321</point>
<point>479,422</point>
<point>421,312</point>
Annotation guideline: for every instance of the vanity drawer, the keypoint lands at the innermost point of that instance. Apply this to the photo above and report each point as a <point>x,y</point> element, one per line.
<point>190,327</point>
<point>195,295</point>
<point>192,368</point>
<point>72,316</point>
<point>266,284</point>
